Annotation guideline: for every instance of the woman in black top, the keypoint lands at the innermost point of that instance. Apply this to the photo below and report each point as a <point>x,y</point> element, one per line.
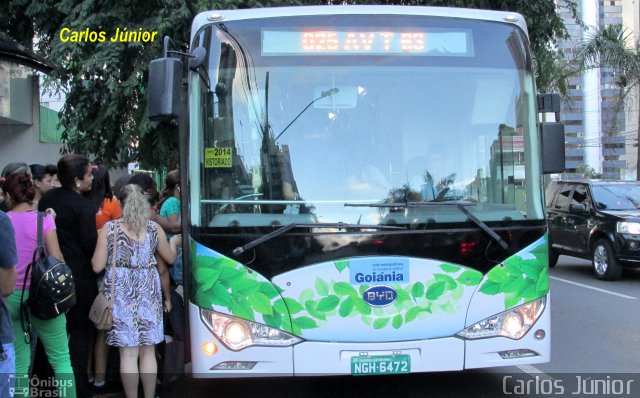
<point>76,228</point>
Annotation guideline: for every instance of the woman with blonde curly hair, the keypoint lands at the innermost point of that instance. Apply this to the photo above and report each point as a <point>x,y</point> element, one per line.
<point>137,301</point>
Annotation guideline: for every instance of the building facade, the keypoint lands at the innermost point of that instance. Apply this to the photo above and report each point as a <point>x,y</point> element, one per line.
<point>601,124</point>
<point>27,133</point>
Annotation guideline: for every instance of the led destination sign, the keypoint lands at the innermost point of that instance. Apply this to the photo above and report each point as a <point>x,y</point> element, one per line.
<point>444,42</point>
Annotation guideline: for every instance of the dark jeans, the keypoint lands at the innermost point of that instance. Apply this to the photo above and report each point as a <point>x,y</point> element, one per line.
<point>81,335</point>
<point>175,328</point>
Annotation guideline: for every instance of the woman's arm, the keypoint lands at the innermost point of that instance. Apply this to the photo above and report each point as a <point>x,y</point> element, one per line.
<point>100,255</point>
<point>165,282</point>
<point>52,245</point>
<point>168,250</point>
<point>7,281</point>
<point>171,224</point>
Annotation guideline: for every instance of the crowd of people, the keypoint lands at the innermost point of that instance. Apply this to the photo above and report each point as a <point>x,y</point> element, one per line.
<point>122,238</point>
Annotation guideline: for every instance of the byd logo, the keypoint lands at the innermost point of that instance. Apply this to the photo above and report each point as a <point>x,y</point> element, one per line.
<point>379,296</point>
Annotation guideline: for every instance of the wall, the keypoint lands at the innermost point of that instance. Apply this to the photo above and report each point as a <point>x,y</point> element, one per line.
<point>21,143</point>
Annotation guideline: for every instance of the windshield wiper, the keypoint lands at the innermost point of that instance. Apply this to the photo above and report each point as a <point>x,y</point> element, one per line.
<point>485,228</point>
<point>458,205</point>
<point>410,204</point>
<point>338,225</point>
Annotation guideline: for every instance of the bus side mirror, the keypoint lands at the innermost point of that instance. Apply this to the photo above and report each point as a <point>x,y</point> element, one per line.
<point>163,98</point>
<point>552,134</point>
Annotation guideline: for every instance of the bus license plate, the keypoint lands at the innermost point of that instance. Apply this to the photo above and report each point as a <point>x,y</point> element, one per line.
<point>380,365</point>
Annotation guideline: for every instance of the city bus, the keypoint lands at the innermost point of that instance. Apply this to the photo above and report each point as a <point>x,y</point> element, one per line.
<point>362,190</point>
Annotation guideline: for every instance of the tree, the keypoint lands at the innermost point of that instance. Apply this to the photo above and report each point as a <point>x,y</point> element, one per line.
<point>609,47</point>
<point>104,115</point>
<point>104,83</point>
<point>553,71</point>
<point>587,171</point>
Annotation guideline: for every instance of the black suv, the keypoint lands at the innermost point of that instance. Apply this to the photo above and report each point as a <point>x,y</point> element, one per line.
<point>596,220</point>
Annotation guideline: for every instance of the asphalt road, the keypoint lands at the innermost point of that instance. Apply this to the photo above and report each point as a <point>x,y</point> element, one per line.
<point>595,352</point>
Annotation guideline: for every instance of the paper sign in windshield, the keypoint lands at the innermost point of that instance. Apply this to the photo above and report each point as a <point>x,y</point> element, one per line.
<point>217,157</point>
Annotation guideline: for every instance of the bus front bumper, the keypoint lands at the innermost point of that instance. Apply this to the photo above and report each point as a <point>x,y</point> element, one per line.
<point>312,358</point>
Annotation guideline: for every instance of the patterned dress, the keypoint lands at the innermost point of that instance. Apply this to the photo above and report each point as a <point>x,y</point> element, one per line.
<point>137,308</point>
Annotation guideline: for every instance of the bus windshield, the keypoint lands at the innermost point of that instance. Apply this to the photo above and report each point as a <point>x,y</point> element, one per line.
<point>348,119</point>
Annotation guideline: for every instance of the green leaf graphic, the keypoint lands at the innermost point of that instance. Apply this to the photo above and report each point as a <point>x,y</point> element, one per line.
<point>304,322</point>
<point>531,269</point>
<point>203,298</point>
<point>261,303</point>
<point>362,307</point>
<point>220,296</point>
<point>344,289</point>
<point>514,285</point>
<point>293,306</point>
<point>280,306</point>
<point>530,292</point>
<point>341,265</point>
<point>242,309</point>
<point>497,274</point>
<point>450,283</point>
<point>346,307</point>
<point>470,278</point>
<point>450,268</point>
<point>417,290</point>
<point>286,325</point>
<point>206,277</point>
<point>306,295</point>
<point>458,292</point>
<point>380,323</point>
<point>231,276</point>
<point>312,308</point>
<point>511,300</point>
<point>321,287</point>
<point>448,308</point>
<point>397,321</point>
<point>435,290</point>
<point>411,314</point>
<point>328,303</point>
<point>513,266</point>
<point>542,285</point>
<point>402,296</point>
<point>490,288</point>
<point>245,285</point>
<point>274,320</point>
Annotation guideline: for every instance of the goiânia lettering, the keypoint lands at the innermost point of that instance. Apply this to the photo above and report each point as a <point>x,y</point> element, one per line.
<point>379,277</point>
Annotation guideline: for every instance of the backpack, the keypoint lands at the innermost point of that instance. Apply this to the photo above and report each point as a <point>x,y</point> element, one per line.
<point>52,291</point>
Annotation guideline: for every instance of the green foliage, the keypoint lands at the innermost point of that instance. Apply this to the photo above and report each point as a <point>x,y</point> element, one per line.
<point>105,111</point>
<point>226,283</point>
<point>587,171</point>
<point>104,115</point>
<point>519,279</point>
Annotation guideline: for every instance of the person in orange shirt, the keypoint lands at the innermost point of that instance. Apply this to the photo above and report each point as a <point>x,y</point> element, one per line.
<point>106,204</point>
<point>107,208</point>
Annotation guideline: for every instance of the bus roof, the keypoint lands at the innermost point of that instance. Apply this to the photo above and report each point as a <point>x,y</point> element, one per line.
<point>213,16</point>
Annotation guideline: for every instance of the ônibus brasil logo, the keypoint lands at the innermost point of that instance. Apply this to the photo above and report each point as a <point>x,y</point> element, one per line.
<point>22,386</point>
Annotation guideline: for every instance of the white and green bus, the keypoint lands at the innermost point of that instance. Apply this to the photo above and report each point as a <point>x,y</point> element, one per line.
<point>364,190</point>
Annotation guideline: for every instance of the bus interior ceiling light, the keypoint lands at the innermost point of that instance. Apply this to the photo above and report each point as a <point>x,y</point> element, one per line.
<point>237,334</point>
<point>513,323</point>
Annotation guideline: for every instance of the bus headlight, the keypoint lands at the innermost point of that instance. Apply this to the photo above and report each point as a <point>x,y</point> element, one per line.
<point>237,334</point>
<point>513,323</point>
